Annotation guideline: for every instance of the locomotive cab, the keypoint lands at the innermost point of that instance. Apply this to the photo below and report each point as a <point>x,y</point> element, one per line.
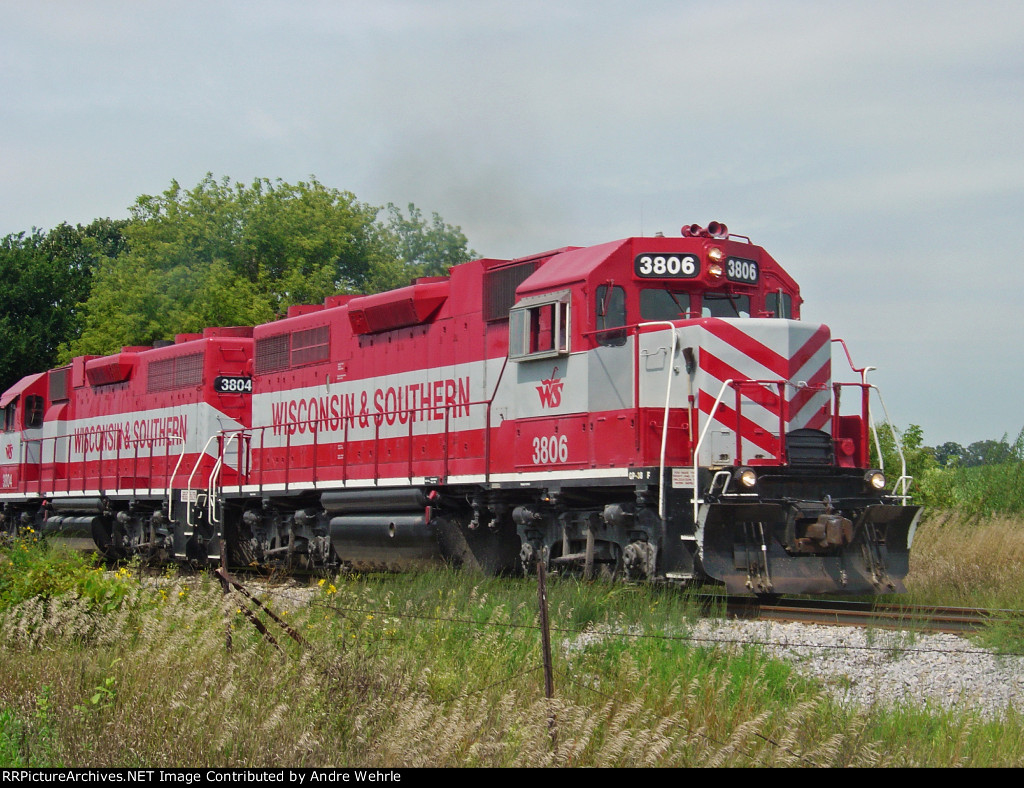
<point>125,448</point>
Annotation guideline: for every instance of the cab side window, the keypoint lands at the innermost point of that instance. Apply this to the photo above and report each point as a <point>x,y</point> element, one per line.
<point>33,412</point>
<point>610,315</point>
<point>779,304</point>
<point>538,327</point>
<point>9,414</point>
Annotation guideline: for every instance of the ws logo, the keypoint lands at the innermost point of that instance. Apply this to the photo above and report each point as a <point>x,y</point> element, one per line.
<point>550,391</point>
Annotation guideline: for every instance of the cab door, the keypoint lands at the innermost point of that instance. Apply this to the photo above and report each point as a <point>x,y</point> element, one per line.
<point>611,381</point>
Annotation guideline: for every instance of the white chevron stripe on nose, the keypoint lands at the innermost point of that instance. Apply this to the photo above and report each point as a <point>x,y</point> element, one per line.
<point>796,354</point>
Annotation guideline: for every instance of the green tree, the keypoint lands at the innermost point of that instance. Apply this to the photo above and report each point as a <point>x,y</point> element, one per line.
<point>225,253</point>
<point>429,248</point>
<point>919,458</point>
<point>950,454</point>
<point>44,276</point>
<point>987,452</point>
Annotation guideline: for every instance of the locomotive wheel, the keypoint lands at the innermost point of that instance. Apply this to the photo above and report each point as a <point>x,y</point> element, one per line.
<point>102,538</point>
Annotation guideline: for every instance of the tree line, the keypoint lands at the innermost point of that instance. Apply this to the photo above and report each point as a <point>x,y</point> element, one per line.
<point>985,478</point>
<point>222,253</point>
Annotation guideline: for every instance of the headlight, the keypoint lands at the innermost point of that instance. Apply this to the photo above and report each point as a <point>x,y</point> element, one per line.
<point>875,480</point>
<point>746,477</point>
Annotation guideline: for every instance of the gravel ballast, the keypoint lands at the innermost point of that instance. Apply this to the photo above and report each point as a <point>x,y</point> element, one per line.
<point>862,666</point>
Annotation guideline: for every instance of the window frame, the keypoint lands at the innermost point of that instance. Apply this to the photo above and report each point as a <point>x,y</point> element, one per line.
<point>524,316</point>
<point>35,406</point>
<point>722,296</point>
<point>610,325</point>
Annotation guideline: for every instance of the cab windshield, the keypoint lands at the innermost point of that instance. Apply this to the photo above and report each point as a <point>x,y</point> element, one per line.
<point>664,304</point>
<point>725,305</point>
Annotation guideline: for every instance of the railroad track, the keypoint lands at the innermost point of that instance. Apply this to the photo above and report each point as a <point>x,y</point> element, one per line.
<point>956,620</point>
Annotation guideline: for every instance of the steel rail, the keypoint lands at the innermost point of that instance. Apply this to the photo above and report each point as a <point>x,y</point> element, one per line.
<point>926,618</point>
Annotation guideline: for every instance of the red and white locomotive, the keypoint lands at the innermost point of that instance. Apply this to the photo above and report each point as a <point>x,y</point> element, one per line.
<point>98,447</point>
<point>650,408</point>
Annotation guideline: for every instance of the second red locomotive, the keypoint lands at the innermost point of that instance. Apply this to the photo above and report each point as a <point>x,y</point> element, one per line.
<point>651,408</point>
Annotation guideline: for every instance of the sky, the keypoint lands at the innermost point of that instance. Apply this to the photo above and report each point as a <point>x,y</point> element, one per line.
<point>874,149</point>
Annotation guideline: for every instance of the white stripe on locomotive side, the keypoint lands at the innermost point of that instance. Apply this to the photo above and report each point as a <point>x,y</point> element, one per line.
<point>421,402</point>
<point>143,433</point>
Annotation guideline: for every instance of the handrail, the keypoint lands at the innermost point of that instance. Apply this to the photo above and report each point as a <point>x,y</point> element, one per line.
<point>43,464</point>
<point>903,479</point>
<point>738,385</point>
<point>668,399</point>
<point>195,468</point>
<point>215,473</point>
<point>375,423</point>
<point>700,440</point>
<point>170,479</point>
<point>862,371</point>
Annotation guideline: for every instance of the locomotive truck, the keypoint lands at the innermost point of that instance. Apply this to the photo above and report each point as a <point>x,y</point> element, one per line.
<point>652,408</point>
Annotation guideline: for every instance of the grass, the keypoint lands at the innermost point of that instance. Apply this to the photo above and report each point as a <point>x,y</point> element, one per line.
<point>968,560</point>
<point>442,669</point>
<point>28,740</point>
<point>965,560</point>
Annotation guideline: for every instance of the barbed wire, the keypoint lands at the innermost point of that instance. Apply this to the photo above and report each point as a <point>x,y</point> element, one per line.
<point>740,641</point>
